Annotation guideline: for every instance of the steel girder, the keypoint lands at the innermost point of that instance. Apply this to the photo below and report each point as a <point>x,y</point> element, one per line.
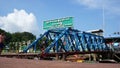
<point>70,40</point>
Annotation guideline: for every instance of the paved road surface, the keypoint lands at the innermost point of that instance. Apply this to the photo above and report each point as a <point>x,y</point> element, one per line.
<point>25,63</point>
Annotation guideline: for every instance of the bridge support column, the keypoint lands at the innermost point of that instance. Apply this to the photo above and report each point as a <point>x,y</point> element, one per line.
<point>100,57</point>
<point>57,57</point>
<point>89,57</point>
<point>64,57</point>
<point>94,57</point>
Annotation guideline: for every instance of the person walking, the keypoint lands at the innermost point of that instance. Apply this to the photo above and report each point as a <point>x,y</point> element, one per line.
<point>2,37</point>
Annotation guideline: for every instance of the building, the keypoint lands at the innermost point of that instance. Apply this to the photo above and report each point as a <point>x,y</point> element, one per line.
<point>96,32</point>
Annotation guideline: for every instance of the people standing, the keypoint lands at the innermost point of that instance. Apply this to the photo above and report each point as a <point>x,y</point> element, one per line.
<point>2,38</point>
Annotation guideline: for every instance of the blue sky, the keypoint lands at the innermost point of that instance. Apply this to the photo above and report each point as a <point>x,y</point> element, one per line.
<point>88,14</point>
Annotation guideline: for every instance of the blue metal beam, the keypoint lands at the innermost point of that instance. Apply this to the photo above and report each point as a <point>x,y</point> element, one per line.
<point>75,41</point>
<point>34,43</point>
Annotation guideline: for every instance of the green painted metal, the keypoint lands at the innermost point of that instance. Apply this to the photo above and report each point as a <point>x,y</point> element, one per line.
<point>58,23</point>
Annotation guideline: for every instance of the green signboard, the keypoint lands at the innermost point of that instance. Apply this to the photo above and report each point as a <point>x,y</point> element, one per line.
<point>58,23</point>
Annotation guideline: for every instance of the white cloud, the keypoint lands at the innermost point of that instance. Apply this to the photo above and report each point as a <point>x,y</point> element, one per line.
<point>111,6</point>
<point>19,21</point>
<point>90,3</point>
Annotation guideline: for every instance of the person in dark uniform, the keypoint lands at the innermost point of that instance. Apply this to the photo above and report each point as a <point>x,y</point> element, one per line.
<point>2,37</point>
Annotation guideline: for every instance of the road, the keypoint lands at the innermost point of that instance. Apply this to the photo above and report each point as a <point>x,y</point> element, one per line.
<point>26,63</point>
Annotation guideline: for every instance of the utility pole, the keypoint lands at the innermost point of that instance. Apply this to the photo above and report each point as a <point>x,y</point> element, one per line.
<point>103,15</point>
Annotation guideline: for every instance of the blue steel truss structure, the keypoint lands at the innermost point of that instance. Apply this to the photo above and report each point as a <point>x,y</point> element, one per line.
<point>69,40</point>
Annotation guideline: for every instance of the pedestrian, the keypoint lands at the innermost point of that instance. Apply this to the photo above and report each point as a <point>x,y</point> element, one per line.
<point>2,37</point>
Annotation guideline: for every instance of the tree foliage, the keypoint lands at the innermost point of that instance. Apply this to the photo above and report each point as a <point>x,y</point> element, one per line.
<point>8,36</point>
<point>17,37</point>
<point>12,39</point>
<point>24,36</point>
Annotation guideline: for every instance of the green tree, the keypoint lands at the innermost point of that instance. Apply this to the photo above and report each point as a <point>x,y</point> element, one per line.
<point>23,36</point>
<point>8,36</point>
<point>11,38</point>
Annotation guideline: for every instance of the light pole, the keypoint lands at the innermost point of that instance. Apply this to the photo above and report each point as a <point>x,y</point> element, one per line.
<point>103,17</point>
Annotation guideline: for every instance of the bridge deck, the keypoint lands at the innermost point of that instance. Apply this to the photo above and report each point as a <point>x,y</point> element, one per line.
<point>23,55</point>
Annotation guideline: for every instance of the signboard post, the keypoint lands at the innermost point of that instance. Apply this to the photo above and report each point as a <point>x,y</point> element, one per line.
<point>58,23</point>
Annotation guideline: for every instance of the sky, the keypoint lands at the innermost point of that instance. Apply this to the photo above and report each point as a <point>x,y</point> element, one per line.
<point>28,15</point>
